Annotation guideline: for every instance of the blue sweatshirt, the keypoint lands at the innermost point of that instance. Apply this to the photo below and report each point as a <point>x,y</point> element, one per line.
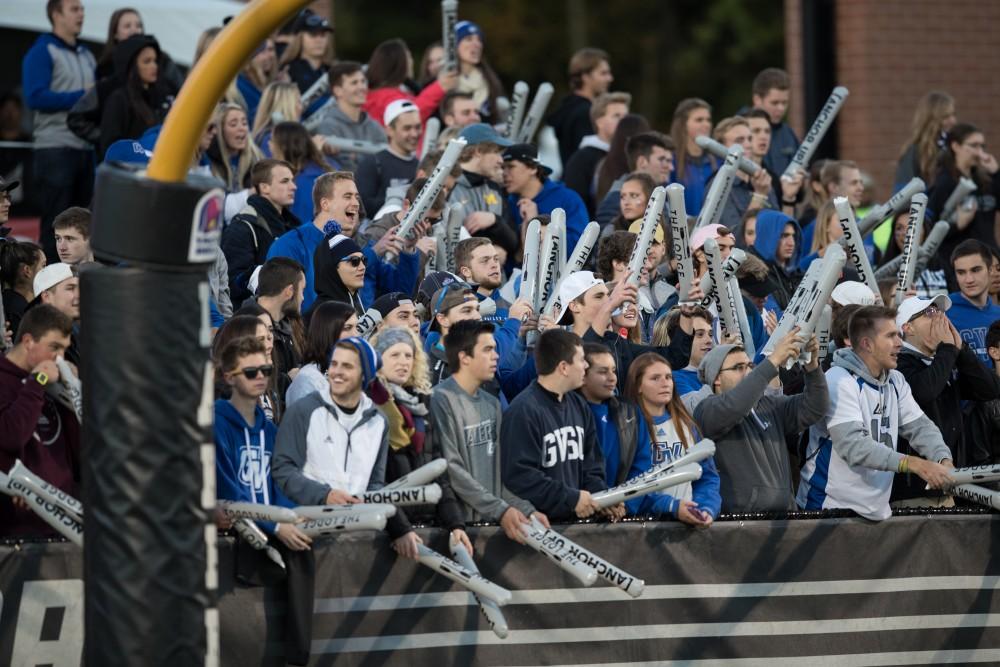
<point>607,437</point>
<point>556,195</point>
<point>704,491</point>
<point>251,95</point>
<point>973,322</point>
<point>55,75</point>
<point>549,450</point>
<point>686,380</point>
<point>697,173</point>
<point>300,244</point>
<point>243,455</point>
<point>302,207</point>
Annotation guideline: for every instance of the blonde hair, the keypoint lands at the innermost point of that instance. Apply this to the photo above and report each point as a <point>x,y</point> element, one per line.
<point>294,51</point>
<point>420,375</point>
<point>232,94</point>
<point>278,97</point>
<point>821,234</point>
<point>726,124</point>
<point>248,156</point>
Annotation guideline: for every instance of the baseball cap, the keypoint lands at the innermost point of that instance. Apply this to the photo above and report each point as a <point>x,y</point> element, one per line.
<point>449,296</point>
<point>465,29</point>
<point>7,187</point>
<point>128,151</point>
<point>913,306</point>
<point>50,276</point>
<point>310,22</point>
<point>576,284</point>
<point>702,234</point>
<point>481,133</point>
<point>431,283</point>
<point>853,293</point>
<point>636,227</point>
<point>526,153</point>
<point>387,303</point>
<point>396,109</point>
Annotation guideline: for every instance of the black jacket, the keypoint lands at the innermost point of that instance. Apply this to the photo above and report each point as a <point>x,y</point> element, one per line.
<point>678,353</point>
<point>571,122</point>
<point>625,417</point>
<point>939,388</point>
<point>578,174</point>
<point>247,239</point>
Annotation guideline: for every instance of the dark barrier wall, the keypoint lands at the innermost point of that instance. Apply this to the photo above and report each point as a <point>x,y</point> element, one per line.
<point>914,590</point>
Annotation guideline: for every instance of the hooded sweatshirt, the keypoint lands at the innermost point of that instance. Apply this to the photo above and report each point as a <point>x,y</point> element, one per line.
<point>555,195</point>
<point>329,286</point>
<point>853,454</point>
<point>44,434</point>
<point>320,448</point>
<point>248,238</point>
<point>550,451</point>
<point>749,428</point>
<point>770,226</point>
<point>243,454</point>
<point>330,121</point>
<point>571,122</point>
<point>55,76</point>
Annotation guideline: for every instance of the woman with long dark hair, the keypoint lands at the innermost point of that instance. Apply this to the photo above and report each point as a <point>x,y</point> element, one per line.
<point>475,75</point>
<point>965,155</point>
<point>693,166</point>
<point>19,262</point>
<point>635,194</point>
<point>144,98</point>
<point>124,22</point>
<point>291,142</point>
<point>934,117</point>
<point>390,78</point>
<point>615,163</point>
<point>330,322</point>
<point>666,433</point>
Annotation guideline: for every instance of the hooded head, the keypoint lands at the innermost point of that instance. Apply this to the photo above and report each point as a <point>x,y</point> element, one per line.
<point>128,50</point>
<point>326,262</point>
<point>770,227</point>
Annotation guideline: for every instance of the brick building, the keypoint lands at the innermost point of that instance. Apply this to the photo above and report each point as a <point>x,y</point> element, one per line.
<point>889,53</point>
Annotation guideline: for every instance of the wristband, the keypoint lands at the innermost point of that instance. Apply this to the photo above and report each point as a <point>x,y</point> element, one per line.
<point>41,378</point>
<point>904,465</point>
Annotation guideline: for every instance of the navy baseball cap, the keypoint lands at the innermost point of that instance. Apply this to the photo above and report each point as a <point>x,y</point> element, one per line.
<point>481,133</point>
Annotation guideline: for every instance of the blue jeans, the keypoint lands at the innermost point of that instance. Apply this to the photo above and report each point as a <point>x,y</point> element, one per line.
<point>64,177</point>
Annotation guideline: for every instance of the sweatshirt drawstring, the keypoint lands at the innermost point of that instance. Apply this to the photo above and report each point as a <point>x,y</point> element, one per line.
<point>252,471</point>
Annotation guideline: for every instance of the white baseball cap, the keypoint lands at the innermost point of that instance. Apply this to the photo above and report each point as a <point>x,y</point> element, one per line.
<point>50,276</point>
<point>853,293</point>
<point>575,285</point>
<point>397,109</point>
<point>913,306</point>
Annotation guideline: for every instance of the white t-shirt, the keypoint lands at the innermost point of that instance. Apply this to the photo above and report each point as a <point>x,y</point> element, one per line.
<point>827,480</point>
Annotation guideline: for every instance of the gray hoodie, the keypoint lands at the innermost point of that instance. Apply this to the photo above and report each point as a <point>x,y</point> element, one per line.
<point>749,429</point>
<point>467,427</point>
<point>329,120</point>
<point>852,456</point>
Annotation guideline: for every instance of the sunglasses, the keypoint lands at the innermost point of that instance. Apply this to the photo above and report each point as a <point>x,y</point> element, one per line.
<point>355,262</point>
<point>250,372</point>
<point>456,285</point>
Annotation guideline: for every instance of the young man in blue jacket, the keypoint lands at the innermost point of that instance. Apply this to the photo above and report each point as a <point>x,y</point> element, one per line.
<point>548,439</point>
<point>972,311</point>
<point>57,71</point>
<point>531,191</point>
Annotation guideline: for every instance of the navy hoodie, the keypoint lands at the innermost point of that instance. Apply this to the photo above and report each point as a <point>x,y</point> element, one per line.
<point>243,455</point>
<point>549,450</point>
<point>770,226</point>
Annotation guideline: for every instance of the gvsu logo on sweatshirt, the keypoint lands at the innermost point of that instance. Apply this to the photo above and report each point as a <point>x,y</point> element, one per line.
<point>254,470</point>
<point>563,444</point>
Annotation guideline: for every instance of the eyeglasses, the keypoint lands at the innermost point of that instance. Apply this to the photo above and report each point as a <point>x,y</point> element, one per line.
<point>739,368</point>
<point>929,311</point>
<point>355,262</point>
<point>250,372</point>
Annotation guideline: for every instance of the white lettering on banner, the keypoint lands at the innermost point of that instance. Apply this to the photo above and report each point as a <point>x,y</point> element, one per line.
<point>206,408</point>
<point>563,444</point>
<point>63,650</point>
<point>205,331</point>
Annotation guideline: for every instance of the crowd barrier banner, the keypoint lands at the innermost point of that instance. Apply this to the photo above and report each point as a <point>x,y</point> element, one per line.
<point>918,589</point>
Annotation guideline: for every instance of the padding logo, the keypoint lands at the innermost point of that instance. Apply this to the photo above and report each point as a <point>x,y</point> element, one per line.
<point>206,227</point>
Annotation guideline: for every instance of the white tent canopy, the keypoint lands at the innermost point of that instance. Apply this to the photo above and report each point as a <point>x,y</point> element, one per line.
<point>176,24</point>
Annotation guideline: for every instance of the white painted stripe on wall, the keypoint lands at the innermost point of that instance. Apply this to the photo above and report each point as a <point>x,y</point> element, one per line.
<point>656,631</point>
<point>956,657</point>
<point>662,592</point>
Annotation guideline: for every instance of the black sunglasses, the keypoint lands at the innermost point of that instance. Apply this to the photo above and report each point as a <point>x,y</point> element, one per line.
<point>250,372</point>
<point>356,261</point>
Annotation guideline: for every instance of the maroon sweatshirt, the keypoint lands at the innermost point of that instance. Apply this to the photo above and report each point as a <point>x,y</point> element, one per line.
<point>44,435</point>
